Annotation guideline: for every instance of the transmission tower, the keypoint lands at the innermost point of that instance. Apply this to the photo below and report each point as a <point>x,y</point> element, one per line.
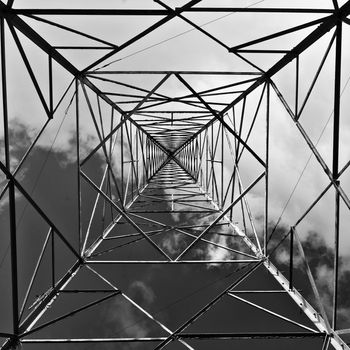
<point>139,182</point>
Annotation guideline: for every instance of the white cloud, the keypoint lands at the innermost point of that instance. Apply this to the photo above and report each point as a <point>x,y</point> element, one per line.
<point>124,318</point>
<point>144,291</point>
<point>172,243</point>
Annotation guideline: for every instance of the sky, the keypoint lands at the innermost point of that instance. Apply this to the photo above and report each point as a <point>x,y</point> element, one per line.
<point>49,174</point>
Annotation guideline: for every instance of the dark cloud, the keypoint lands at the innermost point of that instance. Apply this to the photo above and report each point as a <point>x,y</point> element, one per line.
<point>320,258</point>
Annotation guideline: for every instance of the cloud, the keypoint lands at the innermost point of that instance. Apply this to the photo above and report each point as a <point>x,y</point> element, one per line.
<point>124,319</point>
<point>143,292</point>
<point>219,235</point>
<point>289,160</point>
<point>282,257</point>
<point>173,243</point>
<point>216,253</point>
<point>20,136</point>
<point>320,259</point>
<point>324,280</point>
<point>172,205</point>
<point>324,277</point>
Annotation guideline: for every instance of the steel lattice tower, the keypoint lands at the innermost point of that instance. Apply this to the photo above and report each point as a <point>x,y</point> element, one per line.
<point>146,237</point>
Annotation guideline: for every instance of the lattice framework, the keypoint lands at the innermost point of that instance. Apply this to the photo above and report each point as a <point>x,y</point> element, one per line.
<point>168,156</point>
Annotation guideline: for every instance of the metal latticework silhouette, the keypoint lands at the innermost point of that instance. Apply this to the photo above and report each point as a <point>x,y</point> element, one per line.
<point>142,169</point>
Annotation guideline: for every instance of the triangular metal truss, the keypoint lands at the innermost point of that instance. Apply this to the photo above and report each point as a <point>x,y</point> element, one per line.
<point>166,163</point>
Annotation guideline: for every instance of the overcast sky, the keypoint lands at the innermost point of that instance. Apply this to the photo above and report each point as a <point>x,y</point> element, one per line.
<point>49,173</point>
